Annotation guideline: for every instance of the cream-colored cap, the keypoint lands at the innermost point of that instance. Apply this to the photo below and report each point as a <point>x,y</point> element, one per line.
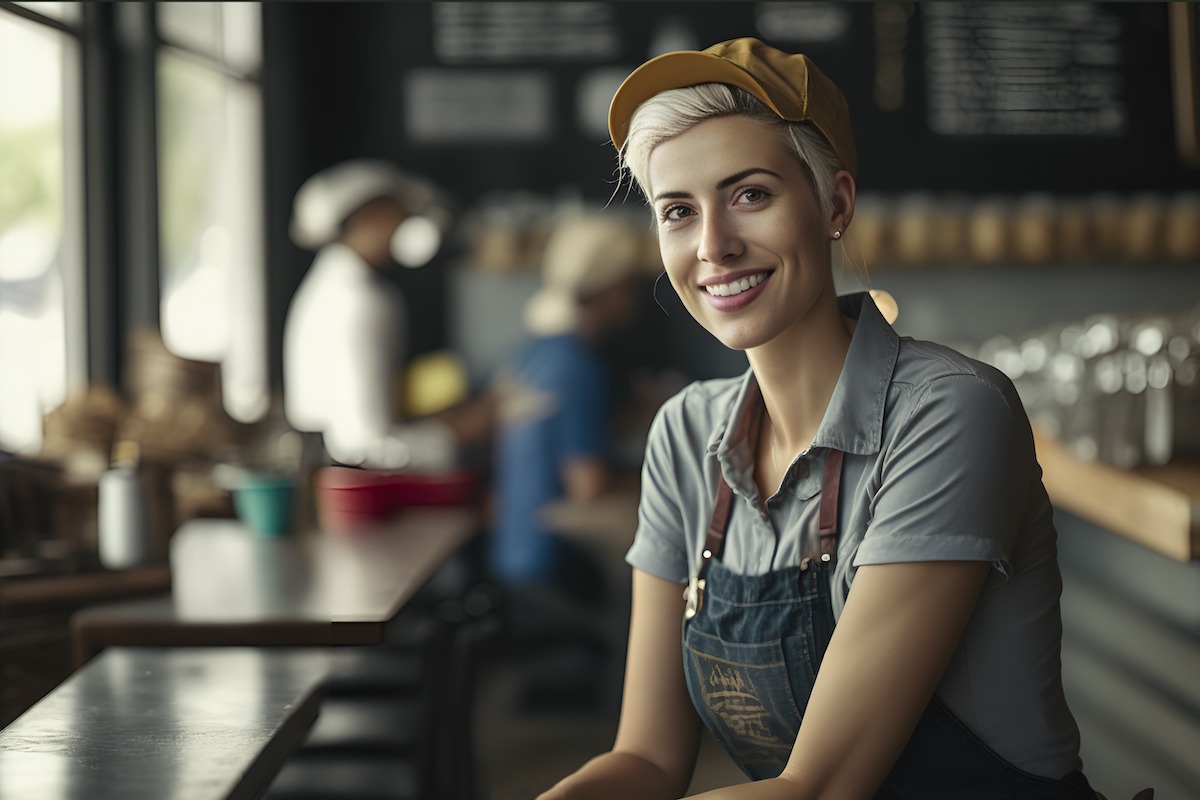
<point>585,254</point>
<point>789,84</point>
<point>329,197</point>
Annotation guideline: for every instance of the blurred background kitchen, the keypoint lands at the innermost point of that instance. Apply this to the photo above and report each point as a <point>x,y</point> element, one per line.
<point>1029,193</point>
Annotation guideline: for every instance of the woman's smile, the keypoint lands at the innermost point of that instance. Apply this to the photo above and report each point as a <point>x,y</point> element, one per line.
<point>737,285</point>
<point>731,294</point>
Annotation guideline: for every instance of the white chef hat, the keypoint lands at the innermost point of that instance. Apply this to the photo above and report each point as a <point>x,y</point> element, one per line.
<point>330,196</point>
<point>585,254</point>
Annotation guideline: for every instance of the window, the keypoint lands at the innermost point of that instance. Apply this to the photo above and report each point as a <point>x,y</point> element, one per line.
<point>62,314</point>
<point>210,195</point>
<point>42,336</point>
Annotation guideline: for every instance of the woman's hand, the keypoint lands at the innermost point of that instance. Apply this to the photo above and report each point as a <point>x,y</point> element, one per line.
<point>655,749</point>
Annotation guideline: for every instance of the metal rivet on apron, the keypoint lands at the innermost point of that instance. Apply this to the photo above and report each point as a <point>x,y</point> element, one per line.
<point>824,556</point>
<point>707,553</point>
<point>803,564</point>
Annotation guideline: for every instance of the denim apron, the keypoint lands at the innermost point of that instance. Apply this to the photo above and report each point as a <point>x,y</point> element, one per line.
<point>752,645</point>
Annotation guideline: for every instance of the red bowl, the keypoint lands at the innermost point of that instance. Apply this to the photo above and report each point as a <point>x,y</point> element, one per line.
<point>348,497</point>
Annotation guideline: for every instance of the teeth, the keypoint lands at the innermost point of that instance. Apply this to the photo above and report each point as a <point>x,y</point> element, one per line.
<point>736,287</point>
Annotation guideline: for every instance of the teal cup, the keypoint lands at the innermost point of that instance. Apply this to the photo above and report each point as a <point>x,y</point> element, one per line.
<point>264,502</point>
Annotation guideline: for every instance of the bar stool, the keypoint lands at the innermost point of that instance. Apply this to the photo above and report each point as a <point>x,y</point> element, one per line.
<point>397,721</point>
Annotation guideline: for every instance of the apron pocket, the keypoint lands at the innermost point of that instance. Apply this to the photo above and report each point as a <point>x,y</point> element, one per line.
<point>743,693</point>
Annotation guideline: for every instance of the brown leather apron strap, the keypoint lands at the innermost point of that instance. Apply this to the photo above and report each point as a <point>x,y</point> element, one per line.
<point>714,540</point>
<point>831,485</point>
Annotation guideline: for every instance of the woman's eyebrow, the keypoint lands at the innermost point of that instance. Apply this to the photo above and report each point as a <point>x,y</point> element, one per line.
<point>746,173</point>
<point>724,183</point>
<point>672,196</point>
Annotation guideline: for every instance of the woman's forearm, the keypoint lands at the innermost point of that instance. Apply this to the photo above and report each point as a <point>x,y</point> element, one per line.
<point>616,774</point>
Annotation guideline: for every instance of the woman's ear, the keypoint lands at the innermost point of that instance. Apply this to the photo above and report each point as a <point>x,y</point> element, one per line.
<point>842,207</point>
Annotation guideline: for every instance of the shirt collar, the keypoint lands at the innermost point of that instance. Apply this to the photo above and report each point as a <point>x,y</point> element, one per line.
<point>853,422</point>
<point>738,422</point>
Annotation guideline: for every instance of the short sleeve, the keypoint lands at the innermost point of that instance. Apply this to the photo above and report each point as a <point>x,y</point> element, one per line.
<point>659,545</point>
<point>955,480</point>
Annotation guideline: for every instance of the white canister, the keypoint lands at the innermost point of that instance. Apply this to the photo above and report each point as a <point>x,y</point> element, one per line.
<point>121,518</point>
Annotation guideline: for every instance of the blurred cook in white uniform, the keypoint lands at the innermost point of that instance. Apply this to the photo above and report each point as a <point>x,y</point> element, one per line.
<point>344,336</point>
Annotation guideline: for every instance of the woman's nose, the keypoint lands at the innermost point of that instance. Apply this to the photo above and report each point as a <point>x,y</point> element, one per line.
<point>719,241</point>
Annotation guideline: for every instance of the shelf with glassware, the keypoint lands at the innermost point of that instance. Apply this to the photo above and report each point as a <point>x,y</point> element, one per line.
<point>920,230</point>
<point>1156,507</point>
<point>1115,404</point>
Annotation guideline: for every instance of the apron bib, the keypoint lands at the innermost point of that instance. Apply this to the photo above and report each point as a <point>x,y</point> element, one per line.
<point>752,646</point>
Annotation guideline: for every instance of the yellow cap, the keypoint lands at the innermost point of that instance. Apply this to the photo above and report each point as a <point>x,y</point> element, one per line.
<point>789,84</point>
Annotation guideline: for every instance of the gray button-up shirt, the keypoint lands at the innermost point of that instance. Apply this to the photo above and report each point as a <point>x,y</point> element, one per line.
<point>940,465</point>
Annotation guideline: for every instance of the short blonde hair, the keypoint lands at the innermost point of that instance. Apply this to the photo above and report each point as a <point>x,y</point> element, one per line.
<point>674,111</point>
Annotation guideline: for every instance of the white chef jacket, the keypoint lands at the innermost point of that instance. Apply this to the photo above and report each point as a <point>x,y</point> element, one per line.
<point>343,343</point>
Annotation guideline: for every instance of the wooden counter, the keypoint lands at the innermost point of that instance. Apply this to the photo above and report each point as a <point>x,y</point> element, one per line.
<point>151,724</point>
<point>231,587</point>
<point>1156,507</point>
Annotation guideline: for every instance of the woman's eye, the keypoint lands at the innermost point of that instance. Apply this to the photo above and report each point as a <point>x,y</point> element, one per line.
<point>752,195</point>
<point>673,213</point>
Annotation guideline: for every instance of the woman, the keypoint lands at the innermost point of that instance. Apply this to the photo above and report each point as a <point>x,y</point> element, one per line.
<point>859,520</point>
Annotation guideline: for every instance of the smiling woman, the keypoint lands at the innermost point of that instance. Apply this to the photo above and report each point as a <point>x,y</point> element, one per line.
<point>837,512</point>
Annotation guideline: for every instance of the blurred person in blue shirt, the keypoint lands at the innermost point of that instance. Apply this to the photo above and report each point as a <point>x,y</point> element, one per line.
<point>548,407</point>
<point>549,413</point>
<point>553,399</point>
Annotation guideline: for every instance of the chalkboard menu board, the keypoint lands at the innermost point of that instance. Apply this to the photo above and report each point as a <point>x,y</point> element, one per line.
<point>1024,71</point>
<point>976,98</point>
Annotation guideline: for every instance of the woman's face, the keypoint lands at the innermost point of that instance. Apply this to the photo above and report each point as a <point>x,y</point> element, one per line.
<point>740,229</point>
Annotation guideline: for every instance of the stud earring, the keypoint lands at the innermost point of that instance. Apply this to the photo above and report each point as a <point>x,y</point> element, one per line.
<point>837,234</point>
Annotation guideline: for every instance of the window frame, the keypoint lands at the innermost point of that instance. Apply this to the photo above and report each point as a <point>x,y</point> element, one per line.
<point>78,336</point>
<point>111,119</point>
